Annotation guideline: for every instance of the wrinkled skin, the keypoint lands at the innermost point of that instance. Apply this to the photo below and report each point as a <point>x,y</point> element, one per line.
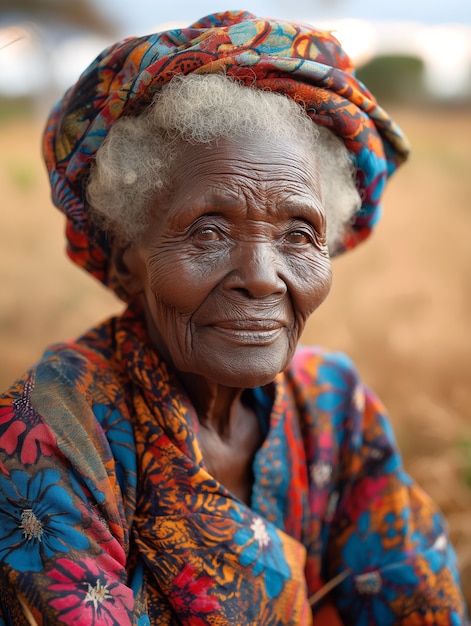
<point>233,264</point>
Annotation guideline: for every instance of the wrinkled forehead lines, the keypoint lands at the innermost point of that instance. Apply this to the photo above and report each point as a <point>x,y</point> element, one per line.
<point>257,158</point>
<point>235,175</point>
<point>244,197</point>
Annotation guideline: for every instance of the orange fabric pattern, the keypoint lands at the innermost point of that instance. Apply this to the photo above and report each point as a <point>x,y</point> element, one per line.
<point>109,516</point>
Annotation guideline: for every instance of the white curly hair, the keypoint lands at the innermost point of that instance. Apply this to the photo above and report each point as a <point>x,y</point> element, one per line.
<point>135,161</point>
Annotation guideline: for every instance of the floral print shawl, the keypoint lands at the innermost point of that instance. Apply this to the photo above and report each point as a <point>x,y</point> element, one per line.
<point>108,515</point>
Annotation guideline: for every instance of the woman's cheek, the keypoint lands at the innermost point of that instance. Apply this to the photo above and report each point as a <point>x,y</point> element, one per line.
<point>312,283</point>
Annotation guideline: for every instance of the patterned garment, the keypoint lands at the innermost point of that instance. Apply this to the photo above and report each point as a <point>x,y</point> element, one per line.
<point>302,62</point>
<point>108,515</point>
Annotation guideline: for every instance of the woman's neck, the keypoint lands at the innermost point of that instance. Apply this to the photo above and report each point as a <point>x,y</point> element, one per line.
<point>230,434</point>
<point>217,406</point>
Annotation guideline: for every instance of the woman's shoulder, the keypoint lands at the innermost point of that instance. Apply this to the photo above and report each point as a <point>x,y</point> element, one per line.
<point>67,404</point>
<point>315,365</point>
<point>326,382</point>
<point>81,369</point>
<point>67,418</point>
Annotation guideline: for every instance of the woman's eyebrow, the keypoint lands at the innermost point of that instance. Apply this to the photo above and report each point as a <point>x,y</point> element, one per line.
<point>302,207</point>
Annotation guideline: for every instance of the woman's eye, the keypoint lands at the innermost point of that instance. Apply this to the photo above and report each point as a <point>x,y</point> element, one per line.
<point>207,233</point>
<point>299,237</point>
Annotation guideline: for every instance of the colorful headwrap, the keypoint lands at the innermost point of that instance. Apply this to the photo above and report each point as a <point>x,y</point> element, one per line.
<point>302,62</point>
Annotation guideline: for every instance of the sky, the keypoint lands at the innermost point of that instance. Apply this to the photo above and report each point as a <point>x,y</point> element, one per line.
<point>140,16</point>
<point>29,65</point>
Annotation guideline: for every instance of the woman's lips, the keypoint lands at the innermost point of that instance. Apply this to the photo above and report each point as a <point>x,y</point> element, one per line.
<point>250,332</point>
<point>250,324</point>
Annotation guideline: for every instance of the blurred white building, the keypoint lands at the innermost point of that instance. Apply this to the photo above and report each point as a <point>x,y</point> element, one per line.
<point>36,59</point>
<point>444,49</point>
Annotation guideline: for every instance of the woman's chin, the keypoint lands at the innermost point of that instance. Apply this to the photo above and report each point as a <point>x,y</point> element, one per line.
<point>254,369</point>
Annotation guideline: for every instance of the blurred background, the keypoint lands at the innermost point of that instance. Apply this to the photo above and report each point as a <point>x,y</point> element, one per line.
<point>400,304</point>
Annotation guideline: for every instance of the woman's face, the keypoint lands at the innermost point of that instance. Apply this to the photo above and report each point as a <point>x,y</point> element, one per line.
<point>235,261</point>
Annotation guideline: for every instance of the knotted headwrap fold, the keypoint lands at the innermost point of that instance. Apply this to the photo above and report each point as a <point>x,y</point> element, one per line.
<point>302,62</point>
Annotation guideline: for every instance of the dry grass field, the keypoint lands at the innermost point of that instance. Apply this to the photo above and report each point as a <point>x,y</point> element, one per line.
<point>400,305</point>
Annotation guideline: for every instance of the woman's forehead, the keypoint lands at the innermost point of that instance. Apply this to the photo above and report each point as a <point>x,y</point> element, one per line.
<point>232,175</point>
<point>257,159</point>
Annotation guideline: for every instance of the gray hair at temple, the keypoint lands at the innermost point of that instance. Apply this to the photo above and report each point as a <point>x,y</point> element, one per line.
<point>135,161</point>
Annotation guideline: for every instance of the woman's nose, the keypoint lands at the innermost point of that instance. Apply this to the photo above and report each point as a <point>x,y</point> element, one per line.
<point>256,270</point>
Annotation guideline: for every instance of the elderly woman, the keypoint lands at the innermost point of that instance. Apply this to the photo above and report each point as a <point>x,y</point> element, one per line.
<point>185,462</point>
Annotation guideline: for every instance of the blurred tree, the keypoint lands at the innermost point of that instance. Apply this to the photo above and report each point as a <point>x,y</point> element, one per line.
<point>81,13</point>
<point>397,78</point>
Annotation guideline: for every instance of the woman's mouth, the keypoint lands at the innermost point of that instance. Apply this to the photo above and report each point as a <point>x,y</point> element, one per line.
<point>250,332</point>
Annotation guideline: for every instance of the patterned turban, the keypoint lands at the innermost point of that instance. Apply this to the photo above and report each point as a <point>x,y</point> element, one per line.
<point>300,61</point>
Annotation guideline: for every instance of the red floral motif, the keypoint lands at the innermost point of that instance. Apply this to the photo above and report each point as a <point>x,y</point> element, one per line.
<point>23,431</point>
<point>85,595</point>
<point>366,495</point>
<point>37,442</point>
<point>9,438</point>
<point>190,595</point>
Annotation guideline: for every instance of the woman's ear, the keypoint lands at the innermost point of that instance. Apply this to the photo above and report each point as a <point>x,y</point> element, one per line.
<point>129,268</point>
